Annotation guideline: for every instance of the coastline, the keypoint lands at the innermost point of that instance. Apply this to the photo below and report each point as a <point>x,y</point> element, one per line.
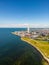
<point>44,57</point>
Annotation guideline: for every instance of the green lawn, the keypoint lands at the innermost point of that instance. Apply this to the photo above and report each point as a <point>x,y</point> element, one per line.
<point>42,45</point>
<point>29,58</point>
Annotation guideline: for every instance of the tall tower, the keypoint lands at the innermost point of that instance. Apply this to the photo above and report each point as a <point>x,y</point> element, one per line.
<point>28,29</point>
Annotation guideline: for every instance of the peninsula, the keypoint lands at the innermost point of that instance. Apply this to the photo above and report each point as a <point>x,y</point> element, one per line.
<point>38,39</point>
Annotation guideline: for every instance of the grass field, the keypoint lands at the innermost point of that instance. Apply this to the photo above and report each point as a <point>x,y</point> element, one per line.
<point>42,45</point>
<point>29,57</point>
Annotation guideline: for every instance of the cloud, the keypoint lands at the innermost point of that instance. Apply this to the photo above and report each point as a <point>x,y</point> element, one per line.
<point>24,25</point>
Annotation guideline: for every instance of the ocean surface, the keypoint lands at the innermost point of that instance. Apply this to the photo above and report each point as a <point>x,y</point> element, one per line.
<point>10,45</point>
<point>13,49</point>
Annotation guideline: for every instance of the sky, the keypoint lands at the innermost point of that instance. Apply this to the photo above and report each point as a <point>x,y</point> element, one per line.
<point>21,13</point>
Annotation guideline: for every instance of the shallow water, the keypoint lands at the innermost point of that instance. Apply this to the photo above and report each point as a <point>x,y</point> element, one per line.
<point>13,50</point>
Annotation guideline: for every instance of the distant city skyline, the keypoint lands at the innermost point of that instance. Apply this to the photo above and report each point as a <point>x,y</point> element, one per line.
<point>20,13</point>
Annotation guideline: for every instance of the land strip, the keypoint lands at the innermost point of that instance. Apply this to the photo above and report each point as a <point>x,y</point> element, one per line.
<point>36,45</point>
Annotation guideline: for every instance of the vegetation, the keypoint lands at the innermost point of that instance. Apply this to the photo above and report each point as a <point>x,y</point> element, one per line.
<point>40,44</point>
<point>29,58</point>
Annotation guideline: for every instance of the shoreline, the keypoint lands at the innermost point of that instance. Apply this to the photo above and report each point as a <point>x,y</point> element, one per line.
<point>44,57</point>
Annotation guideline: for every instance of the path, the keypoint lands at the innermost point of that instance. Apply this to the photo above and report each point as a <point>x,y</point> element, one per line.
<point>45,58</point>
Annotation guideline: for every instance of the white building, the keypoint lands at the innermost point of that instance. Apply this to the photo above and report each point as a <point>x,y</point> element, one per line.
<point>28,29</point>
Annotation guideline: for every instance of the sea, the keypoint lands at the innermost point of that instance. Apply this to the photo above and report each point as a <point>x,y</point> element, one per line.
<point>11,46</point>
<point>14,51</point>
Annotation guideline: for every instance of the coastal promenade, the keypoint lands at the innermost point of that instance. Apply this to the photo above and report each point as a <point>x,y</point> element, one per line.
<point>45,58</point>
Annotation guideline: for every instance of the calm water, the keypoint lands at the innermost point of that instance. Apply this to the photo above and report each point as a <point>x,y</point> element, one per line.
<point>9,44</point>
<point>13,49</point>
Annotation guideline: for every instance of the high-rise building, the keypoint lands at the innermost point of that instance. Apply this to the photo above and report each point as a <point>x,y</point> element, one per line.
<point>28,29</point>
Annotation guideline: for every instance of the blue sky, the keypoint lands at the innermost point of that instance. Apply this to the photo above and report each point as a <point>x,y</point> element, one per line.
<point>19,13</point>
